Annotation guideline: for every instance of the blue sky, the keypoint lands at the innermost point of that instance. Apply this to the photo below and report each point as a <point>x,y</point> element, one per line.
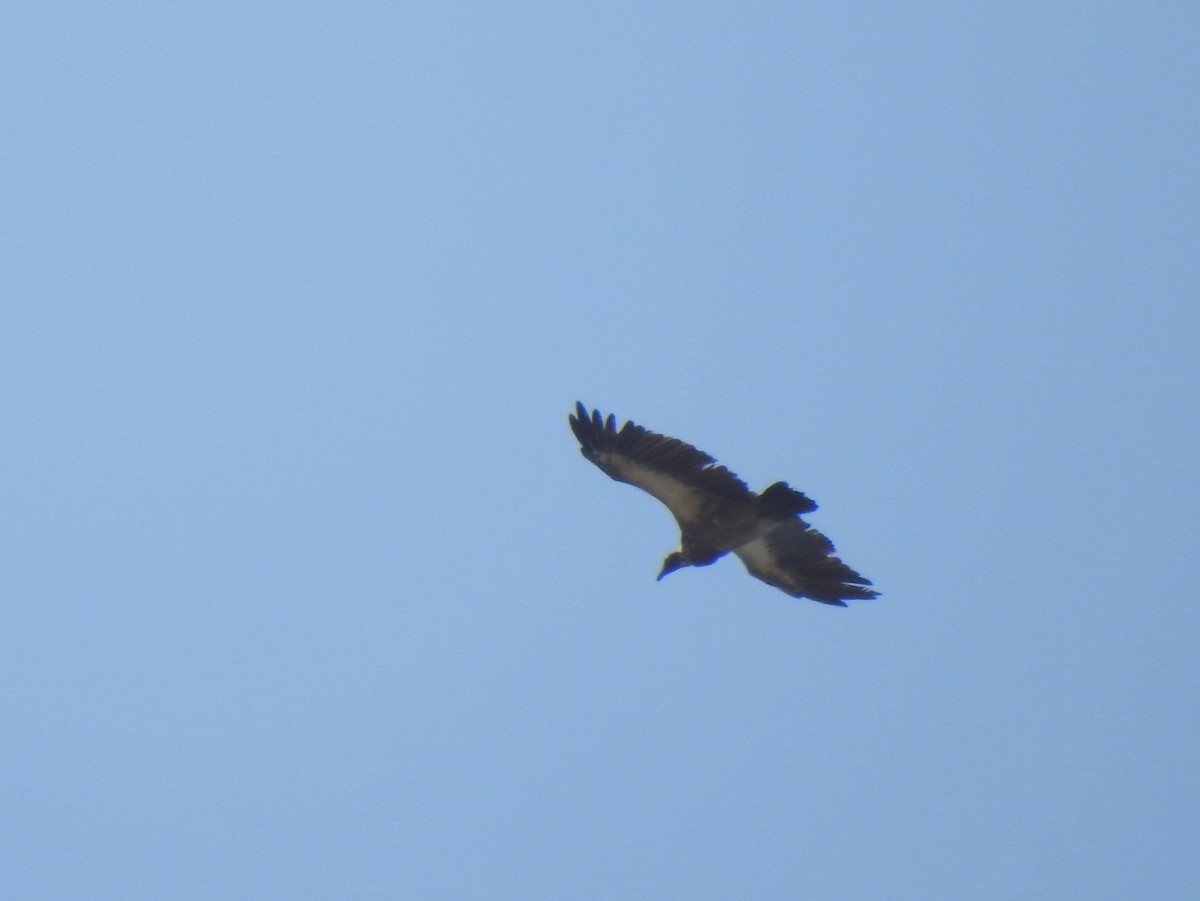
<point>309,594</point>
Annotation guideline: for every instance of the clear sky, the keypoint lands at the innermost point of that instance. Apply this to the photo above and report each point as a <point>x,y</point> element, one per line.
<point>307,593</point>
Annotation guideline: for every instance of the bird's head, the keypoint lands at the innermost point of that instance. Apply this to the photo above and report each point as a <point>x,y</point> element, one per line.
<point>675,560</point>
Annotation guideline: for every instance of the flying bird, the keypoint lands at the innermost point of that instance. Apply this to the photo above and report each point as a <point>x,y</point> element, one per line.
<point>717,513</point>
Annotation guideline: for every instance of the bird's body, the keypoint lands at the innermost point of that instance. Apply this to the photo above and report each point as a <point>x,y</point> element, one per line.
<point>718,514</point>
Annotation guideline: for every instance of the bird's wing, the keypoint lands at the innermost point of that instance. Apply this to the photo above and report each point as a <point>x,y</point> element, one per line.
<point>676,473</point>
<point>798,559</point>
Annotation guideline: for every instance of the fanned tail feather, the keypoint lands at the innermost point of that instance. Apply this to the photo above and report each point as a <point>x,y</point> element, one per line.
<point>782,500</point>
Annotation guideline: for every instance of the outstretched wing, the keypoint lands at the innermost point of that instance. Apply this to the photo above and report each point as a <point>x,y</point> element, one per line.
<point>676,473</point>
<point>797,558</point>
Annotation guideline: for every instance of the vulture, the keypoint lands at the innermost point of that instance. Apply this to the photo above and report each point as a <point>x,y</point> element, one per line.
<point>717,513</point>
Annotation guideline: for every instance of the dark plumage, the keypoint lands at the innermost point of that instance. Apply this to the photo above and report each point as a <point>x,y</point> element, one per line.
<point>717,513</point>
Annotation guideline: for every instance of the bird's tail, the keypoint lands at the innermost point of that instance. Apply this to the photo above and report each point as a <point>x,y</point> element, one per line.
<point>782,500</point>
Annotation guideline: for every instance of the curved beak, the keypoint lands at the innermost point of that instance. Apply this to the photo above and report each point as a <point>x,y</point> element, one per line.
<point>669,566</point>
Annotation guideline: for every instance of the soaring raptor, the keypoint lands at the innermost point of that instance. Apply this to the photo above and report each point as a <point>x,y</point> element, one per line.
<point>717,513</point>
